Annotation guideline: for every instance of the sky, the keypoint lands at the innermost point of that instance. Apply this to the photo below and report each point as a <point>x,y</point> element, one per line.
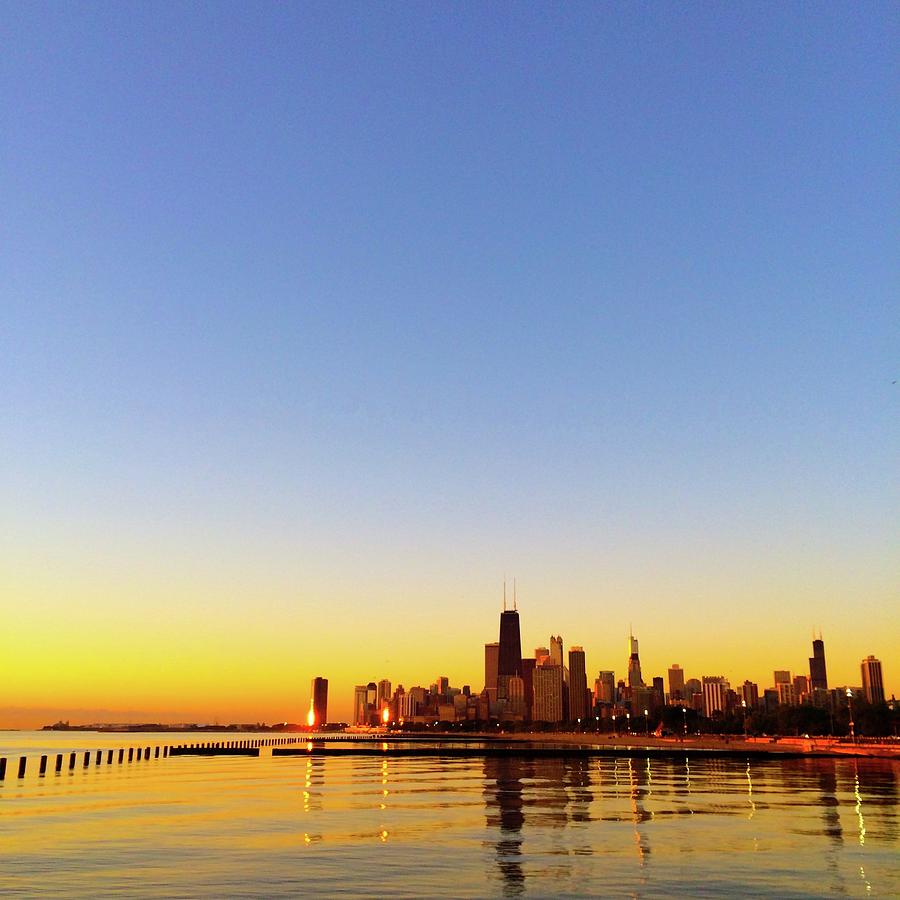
<point>319,320</point>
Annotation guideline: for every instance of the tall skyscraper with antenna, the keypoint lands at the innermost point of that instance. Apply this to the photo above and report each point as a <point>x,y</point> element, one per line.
<point>509,664</point>
<point>818,679</point>
<point>635,679</point>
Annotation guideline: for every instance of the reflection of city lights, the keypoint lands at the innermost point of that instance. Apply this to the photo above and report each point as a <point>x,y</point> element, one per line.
<point>383,836</point>
<point>311,718</point>
<point>386,715</point>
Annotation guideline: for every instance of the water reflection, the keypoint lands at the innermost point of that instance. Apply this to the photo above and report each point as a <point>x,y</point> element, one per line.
<point>505,809</point>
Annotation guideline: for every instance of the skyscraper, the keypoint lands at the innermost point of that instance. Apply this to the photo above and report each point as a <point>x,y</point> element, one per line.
<point>873,684</point>
<point>605,687</point>
<point>548,693</point>
<point>556,649</point>
<point>714,688</point>
<point>360,705</point>
<point>491,668</point>
<point>634,664</point>
<point>818,679</point>
<point>579,705</point>
<point>384,691</point>
<point>676,683</point>
<point>509,663</point>
<point>318,693</point>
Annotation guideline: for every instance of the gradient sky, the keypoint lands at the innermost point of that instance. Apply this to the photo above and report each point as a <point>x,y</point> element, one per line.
<point>319,318</point>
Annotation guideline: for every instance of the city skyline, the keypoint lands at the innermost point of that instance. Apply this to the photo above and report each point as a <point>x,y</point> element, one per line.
<point>342,708</point>
<point>307,346</point>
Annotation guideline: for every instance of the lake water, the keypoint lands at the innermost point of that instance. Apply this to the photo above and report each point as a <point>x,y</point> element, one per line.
<point>424,827</point>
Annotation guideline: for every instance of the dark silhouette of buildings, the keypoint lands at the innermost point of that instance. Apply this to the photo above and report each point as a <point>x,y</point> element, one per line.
<point>873,684</point>
<point>319,695</point>
<point>818,679</point>
<point>509,664</point>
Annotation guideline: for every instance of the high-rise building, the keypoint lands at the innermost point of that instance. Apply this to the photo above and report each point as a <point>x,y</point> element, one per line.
<point>872,681</point>
<point>634,664</point>
<point>714,689</point>
<point>750,694</point>
<point>318,693</point>
<point>509,662</point>
<point>443,686</point>
<point>541,651</point>
<point>787,696</point>
<point>384,692</point>
<point>605,687</point>
<point>579,705</point>
<point>528,679</point>
<point>818,679</point>
<point>556,649</point>
<point>782,676</point>
<point>491,664</point>
<point>801,688</point>
<point>360,705</point>
<point>659,692</point>
<point>515,699</point>
<point>676,683</point>
<point>548,693</point>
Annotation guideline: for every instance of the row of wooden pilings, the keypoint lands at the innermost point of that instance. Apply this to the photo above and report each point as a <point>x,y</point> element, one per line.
<point>137,754</point>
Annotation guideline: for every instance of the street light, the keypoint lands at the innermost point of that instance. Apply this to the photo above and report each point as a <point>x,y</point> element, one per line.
<point>647,721</point>
<point>628,721</point>
<point>684,713</point>
<point>744,707</point>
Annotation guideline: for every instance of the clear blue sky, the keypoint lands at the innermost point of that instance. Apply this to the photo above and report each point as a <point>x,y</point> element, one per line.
<point>362,305</point>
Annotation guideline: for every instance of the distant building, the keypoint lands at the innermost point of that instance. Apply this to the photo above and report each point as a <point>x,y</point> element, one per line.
<point>360,705</point>
<point>556,649</point>
<point>801,688</point>
<point>634,664</point>
<point>384,691</point>
<point>659,692</point>
<point>714,688</point>
<point>318,693</point>
<point>541,651</point>
<point>750,694</point>
<point>818,678</point>
<point>528,680</point>
<point>605,687</point>
<point>676,683</point>
<point>515,699</point>
<point>692,687</point>
<point>579,698</point>
<point>782,676</point>
<point>491,668</point>
<point>872,681</point>
<point>509,662</point>
<point>548,693</point>
<point>787,696</point>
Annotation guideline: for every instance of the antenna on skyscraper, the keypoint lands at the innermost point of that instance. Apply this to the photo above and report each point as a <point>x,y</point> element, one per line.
<point>515,603</point>
<point>504,593</point>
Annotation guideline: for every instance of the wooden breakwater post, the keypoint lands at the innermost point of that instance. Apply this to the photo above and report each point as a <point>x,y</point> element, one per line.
<point>109,758</point>
<point>121,753</point>
<point>71,761</point>
<point>59,759</point>
<point>87,758</point>
<point>43,767</point>
<point>2,768</point>
<point>23,760</point>
<point>130,754</point>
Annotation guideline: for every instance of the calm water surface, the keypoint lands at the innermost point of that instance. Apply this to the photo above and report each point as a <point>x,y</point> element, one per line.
<point>422,827</point>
